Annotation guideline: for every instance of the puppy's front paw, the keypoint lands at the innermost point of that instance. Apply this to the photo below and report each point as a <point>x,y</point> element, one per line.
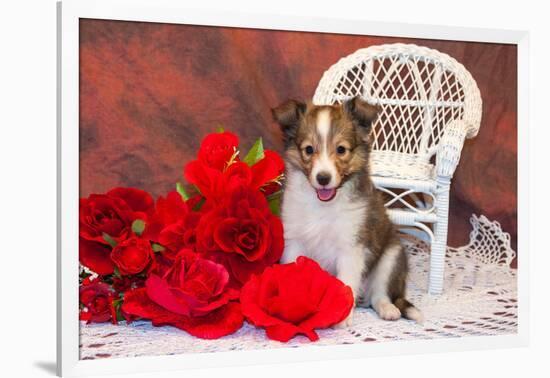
<point>388,311</point>
<point>347,322</point>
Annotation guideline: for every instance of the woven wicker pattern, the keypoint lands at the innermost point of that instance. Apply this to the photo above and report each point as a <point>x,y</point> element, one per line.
<point>420,91</point>
<point>429,104</point>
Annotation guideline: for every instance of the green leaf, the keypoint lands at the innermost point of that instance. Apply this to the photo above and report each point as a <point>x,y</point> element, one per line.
<point>117,273</point>
<point>181,190</point>
<point>109,239</point>
<point>255,154</point>
<point>138,226</point>
<point>199,204</point>
<point>157,247</point>
<point>274,201</point>
<point>117,304</point>
<point>220,129</point>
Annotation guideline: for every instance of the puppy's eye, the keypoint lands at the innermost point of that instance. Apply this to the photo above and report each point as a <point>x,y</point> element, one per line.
<point>341,150</point>
<point>308,150</point>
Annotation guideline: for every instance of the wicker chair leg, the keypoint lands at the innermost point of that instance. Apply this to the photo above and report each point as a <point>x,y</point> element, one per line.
<point>439,244</point>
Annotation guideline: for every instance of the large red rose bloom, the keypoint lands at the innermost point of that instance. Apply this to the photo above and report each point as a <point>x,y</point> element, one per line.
<point>193,286</point>
<point>101,214</point>
<point>192,295</point>
<point>295,298</point>
<point>241,233</point>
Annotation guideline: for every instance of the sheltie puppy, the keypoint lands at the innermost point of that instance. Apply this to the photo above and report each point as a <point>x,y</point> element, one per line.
<point>331,210</point>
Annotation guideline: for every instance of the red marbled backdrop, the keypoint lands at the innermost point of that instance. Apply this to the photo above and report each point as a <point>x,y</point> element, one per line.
<point>149,92</point>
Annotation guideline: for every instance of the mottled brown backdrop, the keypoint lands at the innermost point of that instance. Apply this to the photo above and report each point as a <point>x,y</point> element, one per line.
<point>149,92</point>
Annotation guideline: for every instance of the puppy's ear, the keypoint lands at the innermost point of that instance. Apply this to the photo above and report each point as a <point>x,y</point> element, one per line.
<point>288,115</point>
<point>361,112</point>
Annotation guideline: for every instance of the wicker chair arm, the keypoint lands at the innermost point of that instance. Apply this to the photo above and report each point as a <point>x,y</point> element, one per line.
<point>450,147</point>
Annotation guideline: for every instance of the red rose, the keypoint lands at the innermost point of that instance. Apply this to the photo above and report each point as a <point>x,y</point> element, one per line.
<point>112,214</point>
<point>97,300</point>
<point>217,149</point>
<point>295,298</point>
<point>101,214</point>
<point>193,286</point>
<point>132,256</point>
<point>241,233</point>
<point>192,295</point>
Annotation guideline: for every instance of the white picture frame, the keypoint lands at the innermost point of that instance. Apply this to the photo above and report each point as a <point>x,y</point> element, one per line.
<point>171,11</point>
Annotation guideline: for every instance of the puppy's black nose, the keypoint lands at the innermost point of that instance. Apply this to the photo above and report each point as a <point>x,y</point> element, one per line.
<point>323,178</point>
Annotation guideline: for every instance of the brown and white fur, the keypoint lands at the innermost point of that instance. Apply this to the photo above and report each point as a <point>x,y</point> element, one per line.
<point>331,211</point>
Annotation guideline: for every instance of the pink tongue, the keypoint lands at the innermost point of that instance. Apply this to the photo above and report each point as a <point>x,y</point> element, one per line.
<point>326,194</point>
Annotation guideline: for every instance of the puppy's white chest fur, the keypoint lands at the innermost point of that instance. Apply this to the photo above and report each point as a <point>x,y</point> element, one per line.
<point>323,231</point>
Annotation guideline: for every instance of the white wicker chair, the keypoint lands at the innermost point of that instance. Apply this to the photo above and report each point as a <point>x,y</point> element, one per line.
<point>429,104</point>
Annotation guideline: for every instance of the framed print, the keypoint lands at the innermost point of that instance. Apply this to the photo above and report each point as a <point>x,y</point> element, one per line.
<point>271,188</point>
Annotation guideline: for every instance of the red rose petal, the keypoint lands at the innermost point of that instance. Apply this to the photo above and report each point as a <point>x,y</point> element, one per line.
<point>277,240</point>
<point>222,322</point>
<point>95,256</point>
<point>172,236</point>
<point>206,179</point>
<point>285,332</point>
<point>224,233</point>
<point>334,308</point>
<point>168,211</point>
<point>241,269</point>
<point>250,299</point>
<point>267,169</point>
<point>161,293</point>
<point>237,174</point>
<point>137,303</point>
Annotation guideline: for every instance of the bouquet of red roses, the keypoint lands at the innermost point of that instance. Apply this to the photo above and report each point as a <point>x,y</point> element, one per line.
<point>183,259</point>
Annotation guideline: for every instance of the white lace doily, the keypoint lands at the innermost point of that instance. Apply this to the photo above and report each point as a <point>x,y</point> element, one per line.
<point>480,298</point>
